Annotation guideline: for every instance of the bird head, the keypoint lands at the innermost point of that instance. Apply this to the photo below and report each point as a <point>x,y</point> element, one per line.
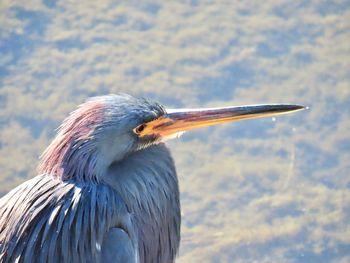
<point>106,129</point>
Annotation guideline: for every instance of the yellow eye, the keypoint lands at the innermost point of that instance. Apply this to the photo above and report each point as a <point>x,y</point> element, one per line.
<point>140,128</point>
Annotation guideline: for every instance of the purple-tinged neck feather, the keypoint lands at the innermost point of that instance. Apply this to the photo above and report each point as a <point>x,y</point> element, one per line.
<point>72,154</point>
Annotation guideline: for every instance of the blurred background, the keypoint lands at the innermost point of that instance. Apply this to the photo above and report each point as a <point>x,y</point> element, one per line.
<point>267,190</point>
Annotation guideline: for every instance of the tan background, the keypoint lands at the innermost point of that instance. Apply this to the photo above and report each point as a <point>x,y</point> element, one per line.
<point>272,190</point>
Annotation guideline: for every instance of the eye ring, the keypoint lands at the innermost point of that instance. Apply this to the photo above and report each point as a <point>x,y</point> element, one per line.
<point>140,128</point>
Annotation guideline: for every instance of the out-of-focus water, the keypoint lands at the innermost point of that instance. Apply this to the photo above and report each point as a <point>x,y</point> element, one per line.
<point>269,190</point>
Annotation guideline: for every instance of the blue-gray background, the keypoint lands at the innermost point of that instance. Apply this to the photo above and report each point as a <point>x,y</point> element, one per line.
<point>269,190</point>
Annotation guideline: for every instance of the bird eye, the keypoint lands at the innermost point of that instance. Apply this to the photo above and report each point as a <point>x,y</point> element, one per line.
<point>140,128</point>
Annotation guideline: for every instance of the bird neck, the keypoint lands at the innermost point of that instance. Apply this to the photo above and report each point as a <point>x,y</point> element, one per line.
<point>145,175</point>
<point>146,181</point>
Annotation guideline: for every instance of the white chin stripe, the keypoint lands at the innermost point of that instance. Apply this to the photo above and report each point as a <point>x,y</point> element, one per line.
<point>172,136</point>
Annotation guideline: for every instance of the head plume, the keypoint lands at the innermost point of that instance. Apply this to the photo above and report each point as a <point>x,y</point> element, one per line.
<point>71,154</point>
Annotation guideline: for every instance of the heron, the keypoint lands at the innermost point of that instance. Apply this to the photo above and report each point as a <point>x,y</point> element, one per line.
<point>107,188</point>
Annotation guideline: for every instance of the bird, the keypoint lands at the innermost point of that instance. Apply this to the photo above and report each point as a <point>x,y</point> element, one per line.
<point>107,188</point>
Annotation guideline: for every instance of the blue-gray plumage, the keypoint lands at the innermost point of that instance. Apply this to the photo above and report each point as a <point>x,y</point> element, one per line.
<point>107,188</point>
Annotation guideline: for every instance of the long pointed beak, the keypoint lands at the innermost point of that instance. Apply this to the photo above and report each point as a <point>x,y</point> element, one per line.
<point>180,120</point>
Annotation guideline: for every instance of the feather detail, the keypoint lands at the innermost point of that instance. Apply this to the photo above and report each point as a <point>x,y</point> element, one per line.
<point>59,219</point>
